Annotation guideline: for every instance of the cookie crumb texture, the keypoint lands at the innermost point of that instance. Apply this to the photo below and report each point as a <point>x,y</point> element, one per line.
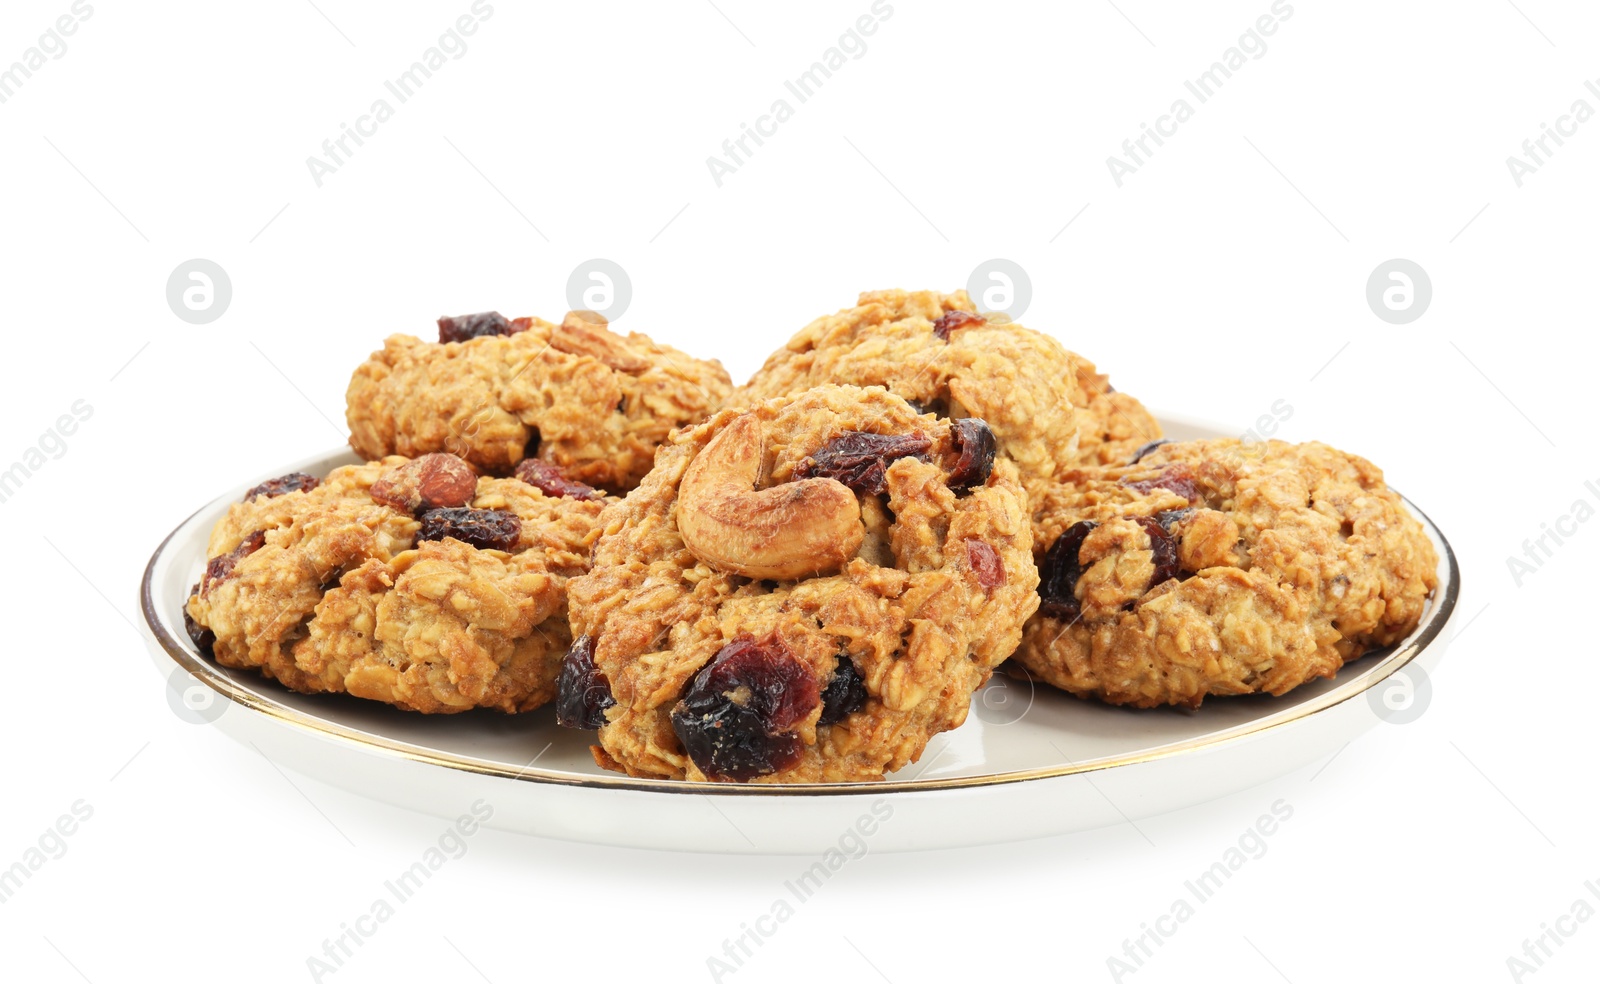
<point>1050,409</point>
<point>333,589</point>
<point>738,645</point>
<point>578,395</point>
<point>1220,567</point>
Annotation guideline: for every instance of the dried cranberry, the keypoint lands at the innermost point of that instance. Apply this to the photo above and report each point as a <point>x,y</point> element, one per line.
<point>1163,550</point>
<point>1178,479</point>
<point>584,692</point>
<point>1138,455</point>
<point>283,485</point>
<point>1172,517</point>
<point>975,446</point>
<point>220,568</point>
<point>1058,575</point>
<point>202,637</point>
<point>486,529</point>
<point>845,694</point>
<point>951,320</point>
<point>859,459</point>
<point>734,719</point>
<point>465,326</point>
<point>985,564</point>
<point>551,480</point>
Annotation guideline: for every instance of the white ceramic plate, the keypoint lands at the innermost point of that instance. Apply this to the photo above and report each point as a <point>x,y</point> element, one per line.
<point>1019,768</point>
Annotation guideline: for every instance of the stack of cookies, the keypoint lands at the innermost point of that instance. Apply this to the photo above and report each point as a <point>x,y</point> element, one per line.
<point>806,578</point>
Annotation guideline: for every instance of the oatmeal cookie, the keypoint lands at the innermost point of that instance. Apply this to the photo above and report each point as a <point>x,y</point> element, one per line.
<point>1049,408</point>
<point>805,591</point>
<point>413,582</point>
<point>495,391</point>
<point>1219,567</point>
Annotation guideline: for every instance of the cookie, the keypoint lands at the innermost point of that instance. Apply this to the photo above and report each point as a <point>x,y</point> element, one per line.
<point>495,391</point>
<point>1049,408</point>
<point>1221,567</point>
<point>413,582</point>
<point>804,591</point>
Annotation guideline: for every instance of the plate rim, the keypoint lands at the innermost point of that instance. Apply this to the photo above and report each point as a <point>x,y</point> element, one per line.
<point>185,656</point>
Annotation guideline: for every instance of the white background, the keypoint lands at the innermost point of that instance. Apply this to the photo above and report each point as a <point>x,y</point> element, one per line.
<point>1223,276</point>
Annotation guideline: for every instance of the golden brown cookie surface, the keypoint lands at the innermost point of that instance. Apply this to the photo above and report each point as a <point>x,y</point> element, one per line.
<point>805,591</point>
<point>397,581</point>
<point>1220,567</point>
<point>578,395</point>
<point>1049,408</point>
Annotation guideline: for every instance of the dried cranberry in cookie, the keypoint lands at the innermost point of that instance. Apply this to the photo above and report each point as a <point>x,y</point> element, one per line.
<point>465,326</point>
<point>1178,479</point>
<point>986,564</point>
<point>220,567</point>
<point>858,459</point>
<point>202,638</point>
<point>1059,573</point>
<point>735,719</point>
<point>583,694</point>
<point>486,529</point>
<point>951,320</point>
<point>975,449</point>
<point>282,485</point>
<point>845,693</point>
<point>551,480</point>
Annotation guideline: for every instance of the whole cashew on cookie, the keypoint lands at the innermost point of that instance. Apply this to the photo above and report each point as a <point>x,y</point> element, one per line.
<point>788,531</point>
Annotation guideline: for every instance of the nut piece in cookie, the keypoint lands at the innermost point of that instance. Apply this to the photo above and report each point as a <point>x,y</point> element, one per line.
<point>1219,567</point>
<point>590,401</point>
<point>806,590</point>
<point>413,582</point>
<point>433,481</point>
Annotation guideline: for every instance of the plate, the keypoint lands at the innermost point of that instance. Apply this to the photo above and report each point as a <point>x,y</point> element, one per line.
<point>1030,762</point>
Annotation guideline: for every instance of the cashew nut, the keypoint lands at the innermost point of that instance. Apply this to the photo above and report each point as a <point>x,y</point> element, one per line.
<point>586,333</point>
<point>788,531</point>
